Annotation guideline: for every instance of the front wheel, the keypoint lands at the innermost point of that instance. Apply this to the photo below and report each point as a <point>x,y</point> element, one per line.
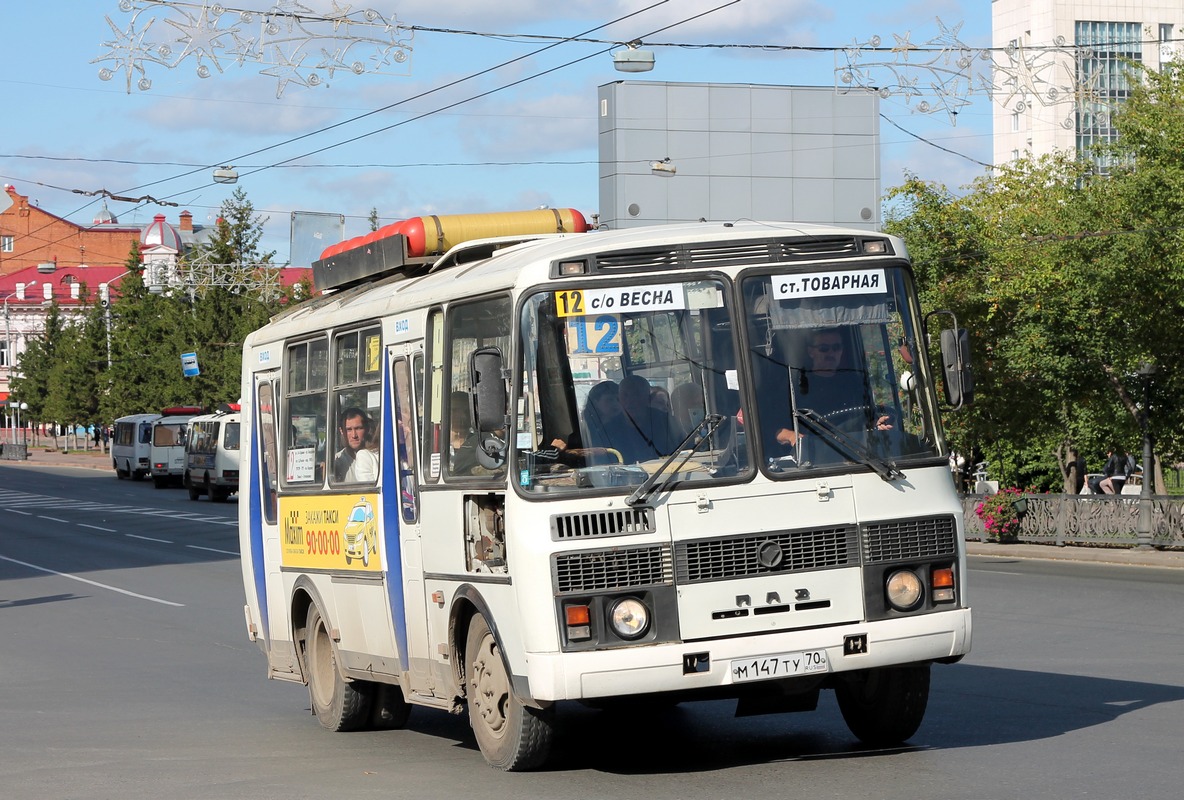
<point>884,707</point>
<point>512,736</point>
<point>338,705</point>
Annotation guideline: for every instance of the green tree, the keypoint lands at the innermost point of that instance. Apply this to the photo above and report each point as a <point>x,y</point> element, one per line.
<point>77,373</point>
<point>32,385</point>
<point>1066,279</point>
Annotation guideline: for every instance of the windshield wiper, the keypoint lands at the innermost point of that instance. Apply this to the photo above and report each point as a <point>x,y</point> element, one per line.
<point>642,493</point>
<point>851,448</point>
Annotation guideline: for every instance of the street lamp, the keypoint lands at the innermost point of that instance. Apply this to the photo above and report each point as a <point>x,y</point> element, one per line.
<point>1146,373</point>
<point>9,355</point>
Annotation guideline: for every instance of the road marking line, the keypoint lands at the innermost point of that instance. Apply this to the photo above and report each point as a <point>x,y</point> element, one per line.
<point>92,583</point>
<point>148,538</point>
<point>22,513</point>
<point>97,528</point>
<point>212,549</point>
<point>53,519</point>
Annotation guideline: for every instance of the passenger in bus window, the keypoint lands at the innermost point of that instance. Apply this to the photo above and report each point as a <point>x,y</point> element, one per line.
<point>353,463</point>
<point>462,439</point>
<point>687,402</point>
<point>648,431</point>
<point>602,415</point>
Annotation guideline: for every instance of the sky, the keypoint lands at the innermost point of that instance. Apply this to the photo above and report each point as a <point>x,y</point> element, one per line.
<point>491,110</point>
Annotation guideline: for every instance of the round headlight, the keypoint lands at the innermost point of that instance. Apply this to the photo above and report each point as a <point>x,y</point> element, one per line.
<point>904,589</point>
<point>629,618</point>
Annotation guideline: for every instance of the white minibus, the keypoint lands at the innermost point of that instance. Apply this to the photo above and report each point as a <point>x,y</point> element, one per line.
<point>211,455</point>
<point>437,512</point>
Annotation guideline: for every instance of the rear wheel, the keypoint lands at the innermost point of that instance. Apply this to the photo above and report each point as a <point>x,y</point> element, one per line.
<point>884,707</point>
<point>338,704</point>
<point>512,736</point>
<point>194,492</point>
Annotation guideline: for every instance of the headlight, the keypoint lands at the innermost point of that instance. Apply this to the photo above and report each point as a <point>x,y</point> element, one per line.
<point>629,618</point>
<point>904,589</point>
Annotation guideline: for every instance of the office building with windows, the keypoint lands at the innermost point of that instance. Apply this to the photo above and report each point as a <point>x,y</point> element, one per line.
<point>1063,68</point>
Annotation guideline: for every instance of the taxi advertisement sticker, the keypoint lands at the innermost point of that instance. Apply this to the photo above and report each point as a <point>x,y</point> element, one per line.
<point>331,532</point>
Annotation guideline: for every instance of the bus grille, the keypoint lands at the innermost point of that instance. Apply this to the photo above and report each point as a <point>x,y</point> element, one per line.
<point>602,523</point>
<point>619,568</point>
<point>765,554</point>
<point>909,539</point>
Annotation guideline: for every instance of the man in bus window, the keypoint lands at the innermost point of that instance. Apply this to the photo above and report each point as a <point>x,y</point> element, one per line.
<point>830,386</point>
<point>354,463</point>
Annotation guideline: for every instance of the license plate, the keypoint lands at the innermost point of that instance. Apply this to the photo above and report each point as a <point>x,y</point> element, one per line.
<point>782,665</point>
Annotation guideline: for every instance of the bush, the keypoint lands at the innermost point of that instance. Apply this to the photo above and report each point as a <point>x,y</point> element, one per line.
<point>999,515</point>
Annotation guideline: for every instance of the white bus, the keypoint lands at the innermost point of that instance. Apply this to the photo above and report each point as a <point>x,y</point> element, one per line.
<point>211,454</point>
<point>516,548</point>
<point>131,446</point>
<point>167,455</point>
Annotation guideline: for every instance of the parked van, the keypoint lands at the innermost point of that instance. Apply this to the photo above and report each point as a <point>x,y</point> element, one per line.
<point>131,446</point>
<point>211,455</point>
<point>168,445</point>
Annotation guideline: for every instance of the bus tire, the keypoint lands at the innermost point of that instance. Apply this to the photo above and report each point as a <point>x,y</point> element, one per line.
<point>194,492</point>
<point>512,736</point>
<point>219,494</point>
<point>337,704</point>
<point>884,707</point>
<point>159,482</point>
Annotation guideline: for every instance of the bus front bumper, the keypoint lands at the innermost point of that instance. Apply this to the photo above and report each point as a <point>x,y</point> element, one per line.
<point>707,665</point>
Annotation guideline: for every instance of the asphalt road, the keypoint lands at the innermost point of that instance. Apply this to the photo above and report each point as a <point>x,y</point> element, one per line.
<point>125,673</point>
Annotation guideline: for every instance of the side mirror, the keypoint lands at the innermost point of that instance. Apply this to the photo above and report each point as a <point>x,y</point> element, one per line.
<point>955,361</point>
<point>489,399</point>
<point>489,389</point>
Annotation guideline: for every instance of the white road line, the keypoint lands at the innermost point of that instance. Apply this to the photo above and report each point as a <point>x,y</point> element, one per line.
<point>53,519</point>
<point>92,583</point>
<point>212,549</point>
<point>22,513</point>
<point>97,528</point>
<point>148,538</point>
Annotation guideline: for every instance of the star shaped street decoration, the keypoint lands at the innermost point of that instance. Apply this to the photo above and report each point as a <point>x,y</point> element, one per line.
<point>279,38</point>
<point>954,72</point>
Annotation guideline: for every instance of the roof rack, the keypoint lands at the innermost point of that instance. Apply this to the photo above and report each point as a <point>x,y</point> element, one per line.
<point>410,245</point>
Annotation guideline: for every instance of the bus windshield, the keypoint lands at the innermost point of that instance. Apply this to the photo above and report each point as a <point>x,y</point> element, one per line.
<point>618,379</point>
<point>833,365</point>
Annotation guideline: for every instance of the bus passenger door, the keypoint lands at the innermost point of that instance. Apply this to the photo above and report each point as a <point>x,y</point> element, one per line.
<point>260,529</point>
<point>401,530</point>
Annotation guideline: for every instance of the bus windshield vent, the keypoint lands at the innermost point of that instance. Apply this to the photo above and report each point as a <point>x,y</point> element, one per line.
<point>705,255</point>
<point>602,523</point>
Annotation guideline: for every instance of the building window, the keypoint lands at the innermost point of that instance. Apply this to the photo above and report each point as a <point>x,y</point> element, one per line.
<point>1015,121</point>
<point>6,243</point>
<point>4,353</point>
<point>1103,80</point>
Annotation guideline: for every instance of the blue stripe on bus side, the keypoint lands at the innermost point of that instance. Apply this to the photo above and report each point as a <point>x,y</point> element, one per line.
<point>255,518</point>
<point>392,502</point>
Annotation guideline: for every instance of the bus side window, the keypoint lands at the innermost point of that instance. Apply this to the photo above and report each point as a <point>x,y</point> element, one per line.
<point>306,368</point>
<point>405,424</point>
<point>357,406</point>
